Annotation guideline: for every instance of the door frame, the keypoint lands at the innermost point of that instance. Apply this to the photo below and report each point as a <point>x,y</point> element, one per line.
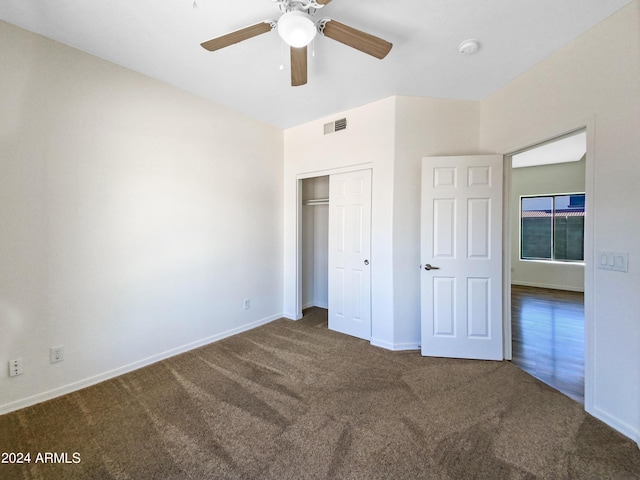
<point>589,252</point>
<point>299,178</point>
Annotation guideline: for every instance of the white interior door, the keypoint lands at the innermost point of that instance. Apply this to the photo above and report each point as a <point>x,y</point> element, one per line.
<point>349,253</point>
<point>461,251</point>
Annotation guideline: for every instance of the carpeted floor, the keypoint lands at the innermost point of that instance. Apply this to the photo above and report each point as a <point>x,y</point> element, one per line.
<point>293,400</point>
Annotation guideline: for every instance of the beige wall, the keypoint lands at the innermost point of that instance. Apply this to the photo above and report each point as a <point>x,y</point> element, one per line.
<point>131,214</point>
<point>593,82</point>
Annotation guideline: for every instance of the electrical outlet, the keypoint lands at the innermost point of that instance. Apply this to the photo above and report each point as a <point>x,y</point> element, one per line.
<point>57,354</point>
<point>247,303</point>
<point>16,367</point>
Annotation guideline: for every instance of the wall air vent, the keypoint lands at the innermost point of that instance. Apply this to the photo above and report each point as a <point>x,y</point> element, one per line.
<point>336,126</point>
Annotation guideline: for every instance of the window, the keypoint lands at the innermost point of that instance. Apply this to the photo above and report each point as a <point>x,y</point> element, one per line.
<point>552,228</point>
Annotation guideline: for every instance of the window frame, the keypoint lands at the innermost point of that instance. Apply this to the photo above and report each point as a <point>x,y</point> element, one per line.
<point>552,196</point>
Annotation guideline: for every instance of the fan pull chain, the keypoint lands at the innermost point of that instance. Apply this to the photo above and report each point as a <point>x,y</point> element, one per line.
<point>281,56</point>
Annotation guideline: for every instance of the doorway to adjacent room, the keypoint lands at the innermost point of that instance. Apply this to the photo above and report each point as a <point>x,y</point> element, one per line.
<point>546,221</point>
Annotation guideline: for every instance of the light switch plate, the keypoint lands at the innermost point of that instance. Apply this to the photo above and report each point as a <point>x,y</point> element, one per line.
<point>616,261</point>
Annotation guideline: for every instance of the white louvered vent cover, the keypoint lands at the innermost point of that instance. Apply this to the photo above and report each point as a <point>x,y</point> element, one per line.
<point>336,126</point>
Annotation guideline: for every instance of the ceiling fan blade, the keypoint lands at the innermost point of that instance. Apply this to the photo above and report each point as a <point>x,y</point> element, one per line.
<point>352,37</point>
<point>323,2</point>
<point>298,66</point>
<point>238,36</point>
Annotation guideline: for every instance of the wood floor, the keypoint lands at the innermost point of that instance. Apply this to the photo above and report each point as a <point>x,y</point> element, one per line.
<point>548,337</point>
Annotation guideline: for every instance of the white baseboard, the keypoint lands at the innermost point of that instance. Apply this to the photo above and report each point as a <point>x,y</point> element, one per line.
<point>396,347</point>
<point>552,287</point>
<point>315,304</point>
<point>87,382</point>
<point>616,424</point>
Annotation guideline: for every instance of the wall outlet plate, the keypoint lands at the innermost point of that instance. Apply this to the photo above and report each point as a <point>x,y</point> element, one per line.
<point>16,367</point>
<point>56,354</point>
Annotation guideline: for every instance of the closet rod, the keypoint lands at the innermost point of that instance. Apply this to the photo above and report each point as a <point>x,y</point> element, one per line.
<point>316,201</point>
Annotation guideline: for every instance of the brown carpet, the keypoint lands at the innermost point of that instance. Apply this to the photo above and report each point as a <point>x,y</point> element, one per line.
<point>293,400</point>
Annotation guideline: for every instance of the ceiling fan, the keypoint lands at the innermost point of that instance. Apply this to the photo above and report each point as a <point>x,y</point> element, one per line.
<point>297,28</point>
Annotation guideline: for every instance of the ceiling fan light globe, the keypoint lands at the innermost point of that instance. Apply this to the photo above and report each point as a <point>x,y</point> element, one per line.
<point>296,28</point>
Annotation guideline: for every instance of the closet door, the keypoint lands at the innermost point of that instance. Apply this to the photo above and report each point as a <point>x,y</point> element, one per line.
<point>350,253</point>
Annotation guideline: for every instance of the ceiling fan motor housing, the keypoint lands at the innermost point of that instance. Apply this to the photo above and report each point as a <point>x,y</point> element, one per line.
<point>309,6</point>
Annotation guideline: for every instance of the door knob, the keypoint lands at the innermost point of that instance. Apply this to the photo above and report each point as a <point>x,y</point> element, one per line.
<point>429,267</point>
<point>366,262</point>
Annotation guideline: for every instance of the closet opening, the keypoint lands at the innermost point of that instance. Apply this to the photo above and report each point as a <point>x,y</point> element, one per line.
<point>315,243</point>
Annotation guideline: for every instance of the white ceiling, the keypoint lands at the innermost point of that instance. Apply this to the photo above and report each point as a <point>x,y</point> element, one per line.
<point>567,149</point>
<point>161,39</point>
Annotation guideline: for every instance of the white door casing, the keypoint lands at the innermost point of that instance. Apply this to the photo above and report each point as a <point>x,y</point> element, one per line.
<point>461,254</point>
<point>349,253</point>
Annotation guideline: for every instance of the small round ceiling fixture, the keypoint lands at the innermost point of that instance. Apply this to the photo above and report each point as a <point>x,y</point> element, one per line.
<point>469,47</point>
